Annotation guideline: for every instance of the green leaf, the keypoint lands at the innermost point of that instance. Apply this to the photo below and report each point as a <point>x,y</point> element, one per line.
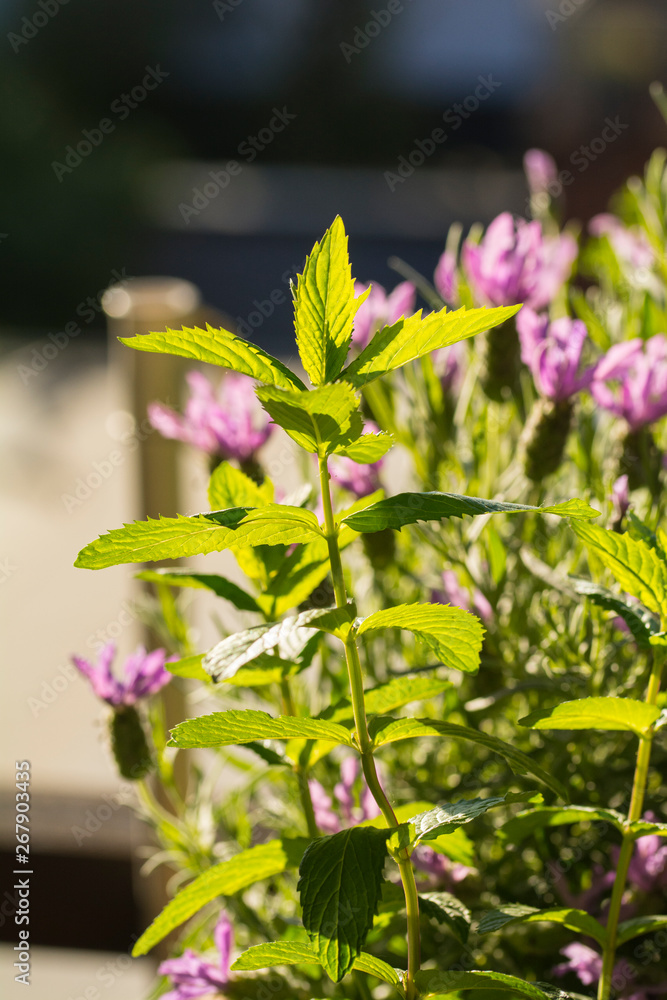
<point>413,337</point>
<point>325,306</point>
<point>409,508</point>
<point>643,827</point>
<point>384,730</point>
<point>629,929</point>
<point>394,694</point>
<point>205,581</point>
<point>276,953</point>
<point>229,487</point>
<point>447,817</point>
<point>224,879</point>
<point>246,726</point>
<point>445,908</point>
<point>433,984</point>
<point>512,913</point>
<point>275,524</point>
<point>319,421</point>
<point>335,621</point>
<point>368,449</point>
<point>456,846</point>
<point>189,666</point>
<point>638,568</point>
<point>641,622</point>
<point>526,823</point>
<point>340,886</point>
<point>454,635</point>
<point>609,714</point>
<point>218,347</point>
<point>286,640</point>
<point>160,538</point>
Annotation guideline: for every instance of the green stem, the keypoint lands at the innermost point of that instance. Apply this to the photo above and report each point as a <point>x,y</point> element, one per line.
<point>300,771</point>
<point>364,741</point>
<point>627,846</point>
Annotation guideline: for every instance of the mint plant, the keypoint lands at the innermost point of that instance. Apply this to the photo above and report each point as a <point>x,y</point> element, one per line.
<point>288,551</point>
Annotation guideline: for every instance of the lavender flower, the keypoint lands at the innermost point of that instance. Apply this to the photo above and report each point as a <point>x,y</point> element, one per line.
<point>380,309</point>
<point>194,977</point>
<point>448,363</point>
<point>453,593</point>
<point>144,675</point>
<point>648,867</point>
<point>631,381</point>
<point>515,263</point>
<point>229,423</point>
<point>620,500</point>
<point>631,246</point>
<point>583,961</point>
<point>540,170</point>
<point>445,872</point>
<point>348,813</point>
<point>553,352</point>
<point>446,278</point>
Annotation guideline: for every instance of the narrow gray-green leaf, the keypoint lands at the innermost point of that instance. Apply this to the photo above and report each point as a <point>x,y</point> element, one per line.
<point>454,635</point>
<point>387,730</point>
<point>220,586</point>
<point>340,886</point>
<point>246,726</point>
<point>409,508</point>
<point>608,714</point>
<point>512,913</point>
<point>325,306</point>
<point>224,879</point>
<point>217,347</point>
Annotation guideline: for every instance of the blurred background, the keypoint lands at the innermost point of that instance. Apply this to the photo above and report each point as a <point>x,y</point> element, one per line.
<point>214,142</point>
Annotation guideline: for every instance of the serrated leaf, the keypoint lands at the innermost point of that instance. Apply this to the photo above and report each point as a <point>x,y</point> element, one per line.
<point>325,306</point>
<point>445,908</point>
<point>340,886</point>
<point>220,586</point>
<point>512,913</point>
<point>275,524</point>
<point>641,622</point>
<point>229,487</point>
<point>629,929</point>
<point>334,621</point>
<point>521,826</point>
<point>224,879</point>
<point>247,726</point>
<point>608,714</point>
<point>409,508</point>
<point>643,827</point>
<point>368,449</point>
<point>387,730</point>
<point>160,538</point>
<point>638,568</point>
<point>394,694</point>
<point>454,635</point>
<point>447,817</point>
<point>190,667</point>
<point>434,984</point>
<point>319,421</point>
<point>413,337</point>
<point>217,347</point>
<point>456,846</point>
<point>276,953</point>
<point>286,640</point>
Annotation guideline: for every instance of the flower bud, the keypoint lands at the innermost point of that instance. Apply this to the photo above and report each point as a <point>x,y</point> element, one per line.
<point>129,744</point>
<point>544,437</point>
<point>499,375</point>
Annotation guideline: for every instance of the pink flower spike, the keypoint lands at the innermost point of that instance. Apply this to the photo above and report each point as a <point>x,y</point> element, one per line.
<point>193,976</point>
<point>144,673</point>
<point>631,381</point>
<point>553,353</point>
<point>540,169</point>
<point>380,309</point>
<point>583,961</point>
<point>446,278</point>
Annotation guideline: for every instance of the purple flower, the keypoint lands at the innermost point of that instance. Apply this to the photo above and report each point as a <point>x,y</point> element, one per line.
<point>380,309</point>
<point>144,675</point>
<point>192,976</point>
<point>631,246</point>
<point>453,593</point>
<point>448,363</point>
<point>589,899</point>
<point>553,351</point>
<point>516,263</point>
<point>620,499</point>
<point>230,423</point>
<point>446,278</point>
<point>348,813</point>
<point>631,380</point>
<point>648,867</point>
<point>583,961</point>
<point>440,867</point>
<point>357,478</point>
<point>541,171</point>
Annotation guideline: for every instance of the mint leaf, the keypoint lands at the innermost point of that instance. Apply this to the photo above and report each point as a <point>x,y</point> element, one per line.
<point>433,984</point>
<point>454,635</point>
<point>246,726</point>
<point>609,714</point>
<point>325,306</point>
<point>229,487</point>
<point>394,694</point>
<point>218,347</point>
<point>514,913</point>
<point>285,640</point>
<point>447,817</point>
<point>526,823</point>
<point>319,421</point>
<point>368,449</point>
<point>275,953</point>
<point>340,886</point>
<point>629,929</point>
<point>446,909</point>
<point>206,581</point>
<point>409,508</point>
